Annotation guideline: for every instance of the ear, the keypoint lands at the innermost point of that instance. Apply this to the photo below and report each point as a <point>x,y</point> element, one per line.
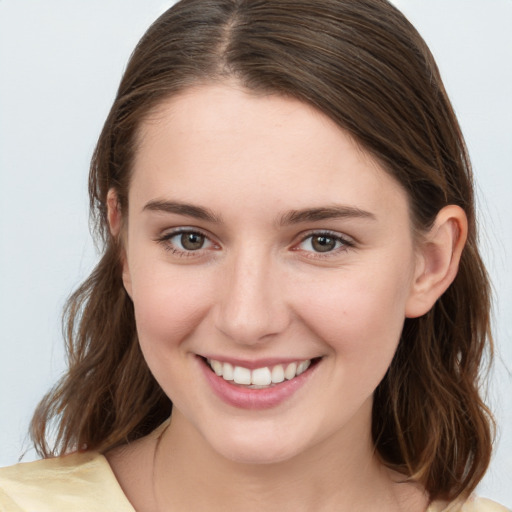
<point>438,260</point>
<point>115,222</point>
<point>114,213</point>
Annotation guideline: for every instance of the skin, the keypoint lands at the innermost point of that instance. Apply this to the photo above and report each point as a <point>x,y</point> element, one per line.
<point>258,288</point>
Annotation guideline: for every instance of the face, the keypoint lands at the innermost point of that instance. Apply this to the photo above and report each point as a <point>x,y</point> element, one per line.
<point>263,245</point>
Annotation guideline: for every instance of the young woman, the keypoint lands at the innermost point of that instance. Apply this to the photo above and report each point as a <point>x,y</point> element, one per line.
<point>291,311</point>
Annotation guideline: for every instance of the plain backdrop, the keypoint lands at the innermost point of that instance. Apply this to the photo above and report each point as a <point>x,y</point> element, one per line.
<point>60,63</point>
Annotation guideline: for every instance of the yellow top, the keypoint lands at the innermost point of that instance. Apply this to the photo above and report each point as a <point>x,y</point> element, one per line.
<point>84,482</point>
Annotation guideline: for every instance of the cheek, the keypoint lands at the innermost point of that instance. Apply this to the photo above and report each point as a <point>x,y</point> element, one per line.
<point>359,316</point>
<point>168,303</point>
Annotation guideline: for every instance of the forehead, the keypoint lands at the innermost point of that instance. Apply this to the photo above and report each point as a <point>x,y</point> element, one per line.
<point>228,146</point>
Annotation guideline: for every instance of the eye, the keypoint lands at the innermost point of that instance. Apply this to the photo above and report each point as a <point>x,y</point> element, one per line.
<point>324,243</point>
<point>189,241</point>
<point>184,242</point>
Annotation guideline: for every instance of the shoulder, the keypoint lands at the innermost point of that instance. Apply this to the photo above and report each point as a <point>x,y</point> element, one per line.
<point>472,504</point>
<point>475,504</point>
<point>78,482</point>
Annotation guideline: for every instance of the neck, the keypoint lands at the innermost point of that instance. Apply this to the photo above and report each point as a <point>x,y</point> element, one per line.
<point>340,473</point>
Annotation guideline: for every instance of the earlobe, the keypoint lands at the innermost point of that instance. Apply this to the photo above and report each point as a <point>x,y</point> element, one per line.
<point>438,260</point>
<point>114,216</point>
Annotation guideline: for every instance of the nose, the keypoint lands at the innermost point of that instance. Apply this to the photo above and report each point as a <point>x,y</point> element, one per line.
<point>252,308</point>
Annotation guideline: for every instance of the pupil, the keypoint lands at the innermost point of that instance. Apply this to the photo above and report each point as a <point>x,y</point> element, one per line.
<point>192,241</point>
<point>323,243</point>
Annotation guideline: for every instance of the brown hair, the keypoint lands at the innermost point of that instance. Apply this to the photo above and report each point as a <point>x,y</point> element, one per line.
<point>366,67</point>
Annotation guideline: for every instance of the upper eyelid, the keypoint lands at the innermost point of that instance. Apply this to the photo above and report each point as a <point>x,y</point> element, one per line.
<point>170,232</point>
<point>319,232</point>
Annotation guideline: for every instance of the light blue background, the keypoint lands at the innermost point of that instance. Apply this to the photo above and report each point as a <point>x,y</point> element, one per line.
<point>60,63</point>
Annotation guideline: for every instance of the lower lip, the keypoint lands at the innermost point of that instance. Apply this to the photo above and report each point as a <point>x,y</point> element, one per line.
<point>256,399</point>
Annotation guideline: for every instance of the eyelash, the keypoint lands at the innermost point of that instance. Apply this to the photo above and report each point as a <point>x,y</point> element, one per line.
<point>344,243</point>
<point>165,241</point>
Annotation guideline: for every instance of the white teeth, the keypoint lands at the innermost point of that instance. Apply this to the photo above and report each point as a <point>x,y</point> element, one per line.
<point>242,375</point>
<point>259,377</point>
<point>277,374</point>
<point>291,371</point>
<point>227,371</point>
<point>216,366</point>
<point>302,367</point>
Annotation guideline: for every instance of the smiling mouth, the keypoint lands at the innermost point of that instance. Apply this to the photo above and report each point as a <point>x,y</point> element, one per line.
<point>259,378</point>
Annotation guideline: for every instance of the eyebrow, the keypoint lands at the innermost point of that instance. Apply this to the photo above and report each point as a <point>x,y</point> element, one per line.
<point>188,210</point>
<point>289,218</point>
<point>316,214</point>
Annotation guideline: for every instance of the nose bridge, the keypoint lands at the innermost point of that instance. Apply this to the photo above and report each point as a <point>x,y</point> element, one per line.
<point>252,307</point>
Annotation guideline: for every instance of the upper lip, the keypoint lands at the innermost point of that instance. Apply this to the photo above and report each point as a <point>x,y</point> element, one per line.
<point>252,364</point>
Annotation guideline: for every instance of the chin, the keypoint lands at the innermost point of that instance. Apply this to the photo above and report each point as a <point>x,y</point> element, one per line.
<point>264,448</point>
